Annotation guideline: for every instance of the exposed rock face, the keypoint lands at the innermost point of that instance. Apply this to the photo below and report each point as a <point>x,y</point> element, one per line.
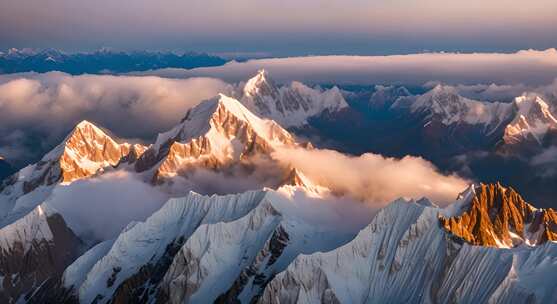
<point>88,149</point>
<point>499,217</point>
<point>34,250</point>
<point>85,151</point>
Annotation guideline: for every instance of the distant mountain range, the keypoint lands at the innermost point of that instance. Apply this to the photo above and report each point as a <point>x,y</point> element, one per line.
<point>99,62</point>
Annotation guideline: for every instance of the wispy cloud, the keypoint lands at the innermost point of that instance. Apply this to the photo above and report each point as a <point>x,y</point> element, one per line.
<point>374,178</point>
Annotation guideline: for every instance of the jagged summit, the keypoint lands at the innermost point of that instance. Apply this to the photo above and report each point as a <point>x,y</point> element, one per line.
<point>291,105</point>
<point>86,150</point>
<point>261,83</point>
<point>499,217</point>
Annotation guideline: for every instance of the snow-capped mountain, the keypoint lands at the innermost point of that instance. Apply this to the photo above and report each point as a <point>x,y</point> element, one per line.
<point>215,134</point>
<point>532,121</point>
<point>405,256</point>
<point>290,240</point>
<point>198,248</point>
<point>101,61</point>
<point>525,121</point>
<point>445,105</point>
<point>290,105</point>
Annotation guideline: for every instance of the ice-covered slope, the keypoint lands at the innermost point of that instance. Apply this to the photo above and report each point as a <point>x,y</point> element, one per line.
<point>86,151</point>
<point>231,262</point>
<point>404,256</point>
<point>291,105</point>
<point>147,247</point>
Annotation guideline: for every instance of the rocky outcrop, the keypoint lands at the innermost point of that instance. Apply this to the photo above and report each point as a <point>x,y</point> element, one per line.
<point>499,217</point>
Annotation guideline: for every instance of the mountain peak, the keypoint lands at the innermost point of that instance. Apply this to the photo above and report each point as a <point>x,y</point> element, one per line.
<point>533,120</point>
<point>85,124</point>
<point>260,84</point>
<point>499,217</point>
<point>85,151</point>
<point>289,105</point>
<point>212,134</point>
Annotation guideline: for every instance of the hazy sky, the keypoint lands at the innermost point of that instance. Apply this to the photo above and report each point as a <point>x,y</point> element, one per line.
<point>286,27</point>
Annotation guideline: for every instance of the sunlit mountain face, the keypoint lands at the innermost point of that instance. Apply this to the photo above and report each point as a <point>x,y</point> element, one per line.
<point>288,152</point>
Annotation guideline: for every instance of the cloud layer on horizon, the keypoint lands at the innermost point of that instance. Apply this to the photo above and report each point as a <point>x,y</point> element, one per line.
<point>528,67</point>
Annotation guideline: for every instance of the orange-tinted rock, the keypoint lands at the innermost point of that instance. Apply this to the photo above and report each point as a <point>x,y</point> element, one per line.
<point>499,217</point>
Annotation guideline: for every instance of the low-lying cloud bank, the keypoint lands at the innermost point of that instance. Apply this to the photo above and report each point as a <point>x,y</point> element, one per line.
<point>37,110</point>
<point>530,67</point>
<point>99,208</point>
<point>374,178</point>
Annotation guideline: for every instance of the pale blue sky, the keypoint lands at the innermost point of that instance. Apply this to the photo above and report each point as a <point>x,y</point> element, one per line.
<point>285,27</point>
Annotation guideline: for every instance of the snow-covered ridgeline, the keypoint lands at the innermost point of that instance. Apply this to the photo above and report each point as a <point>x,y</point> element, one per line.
<point>404,256</point>
<point>290,105</point>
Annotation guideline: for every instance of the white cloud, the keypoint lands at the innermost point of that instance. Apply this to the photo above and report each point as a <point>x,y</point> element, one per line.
<point>99,208</point>
<point>528,67</point>
<point>374,178</point>
<point>546,162</point>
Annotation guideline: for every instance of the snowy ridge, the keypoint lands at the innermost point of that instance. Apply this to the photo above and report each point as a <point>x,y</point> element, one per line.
<point>404,256</point>
<point>292,105</point>
<point>444,103</point>
<point>146,242</point>
<point>233,261</point>
<point>228,246</point>
<point>214,256</point>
